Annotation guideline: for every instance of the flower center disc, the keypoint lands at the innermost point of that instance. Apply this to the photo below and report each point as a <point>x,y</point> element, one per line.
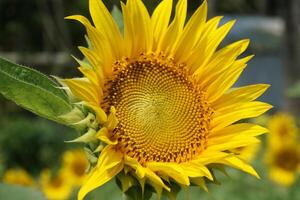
<point>162,116</point>
<point>288,159</point>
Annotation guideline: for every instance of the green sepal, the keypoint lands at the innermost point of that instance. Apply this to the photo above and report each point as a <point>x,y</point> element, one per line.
<point>91,157</point>
<point>88,122</point>
<point>199,182</point>
<point>125,181</point>
<point>135,193</point>
<point>98,148</point>
<point>175,189</point>
<point>87,137</point>
<point>74,116</point>
<point>220,168</point>
<point>33,91</point>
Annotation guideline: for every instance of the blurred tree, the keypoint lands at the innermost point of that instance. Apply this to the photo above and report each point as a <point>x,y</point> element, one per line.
<point>52,13</point>
<point>39,143</point>
<point>291,15</point>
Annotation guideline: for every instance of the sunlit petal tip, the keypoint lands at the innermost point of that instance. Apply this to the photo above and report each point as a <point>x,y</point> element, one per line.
<point>71,17</point>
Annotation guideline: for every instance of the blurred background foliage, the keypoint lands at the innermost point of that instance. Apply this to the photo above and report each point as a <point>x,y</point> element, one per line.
<point>34,33</point>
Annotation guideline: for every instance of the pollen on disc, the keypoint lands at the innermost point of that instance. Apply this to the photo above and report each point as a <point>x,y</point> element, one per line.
<point>162,115</point>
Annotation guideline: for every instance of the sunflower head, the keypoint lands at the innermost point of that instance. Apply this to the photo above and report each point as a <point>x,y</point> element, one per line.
<point>18,177</point>
<point>283,163</point>
<point>55,186</point>
<point>283,129</point>
<point>163,116</point>
<point>75,165</point>
<point>159,97</point>
<point>282,153</point>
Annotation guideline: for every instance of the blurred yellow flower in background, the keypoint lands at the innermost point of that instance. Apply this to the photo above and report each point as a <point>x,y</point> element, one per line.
<point>18,177</point>
<point>74,166</point>
<point>55,187</point>
<point>283,149</point>
<point>162,96</point>
<point>283,129</point>
<point>283,163</point>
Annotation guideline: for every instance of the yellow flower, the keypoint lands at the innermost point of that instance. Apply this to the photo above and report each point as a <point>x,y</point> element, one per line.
<point>282,128</point>
<point>55,187</point>
<point>74,166</point>
<point>18,177</point>
<point>162,96</point>
<point>283,162</point>
<point>283,152</point>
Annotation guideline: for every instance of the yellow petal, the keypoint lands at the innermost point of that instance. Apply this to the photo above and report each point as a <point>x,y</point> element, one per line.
<point>143,172</point>
<point>160,20</point>
<point>242,129</point>
<point>239,164</point>
<point>92,76</point>
<point>242,94</point>
<point>109,165</point>
<point>211,37</point>
<point>175,29</point>
<point>191,33</point>
<point>101,66</point>
<point>172,170</point>
<point>103,53</point>
<point>220,145</point>
<point>224,81</point>
<point>235,113</point>
<point>100,114</point>
<point>112,120</point>
<point>139,169</point>
<point>105,23</point>
<point>103,135</point>
<point>221,61</point>
<point>216,37</point>
<point>138,34</point>
<point>83,89</point>
<point>194,169</point>
<point>207,157</point>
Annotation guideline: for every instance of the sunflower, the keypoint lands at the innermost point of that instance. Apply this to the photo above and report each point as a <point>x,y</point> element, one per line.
<point>283,153</point>
<point>283,128</point>
<point>283,163</point>
<point>18,177</point>
<point>55,186</point>
<point>161,93</point>
<point>74,166</point>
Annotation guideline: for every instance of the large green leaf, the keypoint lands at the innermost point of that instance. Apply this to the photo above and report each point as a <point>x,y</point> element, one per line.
<point>15,192</point>
<point>33,91</point>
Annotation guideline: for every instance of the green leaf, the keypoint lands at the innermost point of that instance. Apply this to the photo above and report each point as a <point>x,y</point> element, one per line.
<point>33,91</point>
<point>15,192</point>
